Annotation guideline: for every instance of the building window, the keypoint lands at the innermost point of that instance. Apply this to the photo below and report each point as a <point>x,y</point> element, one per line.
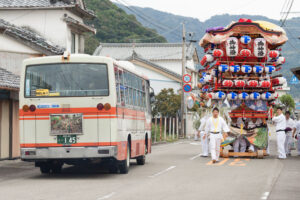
<point>73,43</point>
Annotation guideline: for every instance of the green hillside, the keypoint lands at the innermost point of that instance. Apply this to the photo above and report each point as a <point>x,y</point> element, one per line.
<point>115,25</point>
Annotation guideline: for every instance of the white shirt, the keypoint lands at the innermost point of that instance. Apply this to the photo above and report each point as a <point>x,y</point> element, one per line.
<point>297,126</point>
<point>216,125</point>
<point>202,123</point>
<point>280,122</point>
<point>253,125</point>
<point>290,123</point>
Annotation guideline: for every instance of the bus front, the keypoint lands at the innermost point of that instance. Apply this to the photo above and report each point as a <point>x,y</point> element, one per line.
<point>67,110</point>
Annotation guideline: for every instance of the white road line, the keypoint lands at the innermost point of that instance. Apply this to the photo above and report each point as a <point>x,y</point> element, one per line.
<point>107,196</point>
<point>196,156</point>
<point>265,195</point>
<point>195,143</point>
<point>162,172</point>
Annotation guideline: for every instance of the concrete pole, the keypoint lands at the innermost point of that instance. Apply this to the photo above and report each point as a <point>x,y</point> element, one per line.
<point>173,131</point>
<point>170,126</point>
<point>165,129</point>
<point>155,125</point>
<point>182,132</point>
<point>160,128</point>
<point>177,124</point>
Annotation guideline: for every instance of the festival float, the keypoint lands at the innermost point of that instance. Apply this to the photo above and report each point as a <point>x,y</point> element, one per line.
<point>239,68</point>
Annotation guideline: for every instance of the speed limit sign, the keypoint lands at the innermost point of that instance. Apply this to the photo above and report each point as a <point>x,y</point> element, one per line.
<point>187,78</point>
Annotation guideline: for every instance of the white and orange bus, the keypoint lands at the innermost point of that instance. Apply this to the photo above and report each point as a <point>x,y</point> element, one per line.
<point>81,108</point>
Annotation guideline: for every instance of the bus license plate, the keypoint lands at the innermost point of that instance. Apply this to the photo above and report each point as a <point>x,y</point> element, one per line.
<point>66,139</point>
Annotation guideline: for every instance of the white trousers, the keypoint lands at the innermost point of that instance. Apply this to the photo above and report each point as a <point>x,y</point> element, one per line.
<point>204,144</point>
<point>214,144</point>
<point>288,142</point>
<point>240,144</point>
<point>280,144</point>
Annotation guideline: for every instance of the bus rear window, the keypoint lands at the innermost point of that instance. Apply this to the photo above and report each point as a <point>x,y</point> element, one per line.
<point>66,80</point>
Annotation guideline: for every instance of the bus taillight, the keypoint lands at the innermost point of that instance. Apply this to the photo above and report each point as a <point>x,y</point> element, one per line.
<point>32,108</point>
<point>25,108</point>
<point>100,106</point>
<point>107,106</point>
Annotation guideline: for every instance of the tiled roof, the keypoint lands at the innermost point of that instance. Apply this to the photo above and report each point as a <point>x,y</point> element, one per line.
<point>79,25</point>
<point>35,3</point>
<point>148,51</point>
<point>27,4</point>
<point>30,38</point>
<point>9,80</point>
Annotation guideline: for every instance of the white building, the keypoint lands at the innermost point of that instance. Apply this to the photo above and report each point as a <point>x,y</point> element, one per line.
<point>160,62</point>
<point>32,28</point>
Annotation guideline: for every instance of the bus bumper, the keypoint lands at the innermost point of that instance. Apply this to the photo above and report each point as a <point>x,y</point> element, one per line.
<point>68,152</point>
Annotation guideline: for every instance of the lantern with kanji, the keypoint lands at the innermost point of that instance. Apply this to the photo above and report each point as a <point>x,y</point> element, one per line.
<point>232,47</point>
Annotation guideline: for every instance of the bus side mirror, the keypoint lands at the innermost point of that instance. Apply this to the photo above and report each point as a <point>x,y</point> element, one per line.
<point>152,97</point>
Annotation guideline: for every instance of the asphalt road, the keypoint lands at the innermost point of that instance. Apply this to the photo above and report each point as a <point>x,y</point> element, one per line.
<point>172,171</point>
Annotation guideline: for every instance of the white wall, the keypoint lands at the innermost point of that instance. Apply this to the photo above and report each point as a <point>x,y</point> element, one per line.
<point>9,44</point>
<point>48,23</point>
<point>157,80</point>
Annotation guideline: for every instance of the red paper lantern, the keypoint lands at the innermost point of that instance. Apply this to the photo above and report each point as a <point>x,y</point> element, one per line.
<point>227,83</point>
<point>252,83</point>
<point>274,54</point>
<point>245,52</point>
<point>240,83</point>
<point>265,84</point>
<point>218,53</point>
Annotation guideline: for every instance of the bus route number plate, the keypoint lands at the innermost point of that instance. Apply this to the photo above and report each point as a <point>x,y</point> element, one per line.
<point>66,139</point>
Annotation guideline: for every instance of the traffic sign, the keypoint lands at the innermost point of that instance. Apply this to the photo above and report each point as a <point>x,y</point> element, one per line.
<point>187,78</point>
<point>187,88</point>
<point>294,81</point>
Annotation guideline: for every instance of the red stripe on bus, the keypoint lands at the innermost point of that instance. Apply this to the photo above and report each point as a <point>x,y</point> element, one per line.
<point>87,144</point>
<point>84,111</point>
<point>46,118</point>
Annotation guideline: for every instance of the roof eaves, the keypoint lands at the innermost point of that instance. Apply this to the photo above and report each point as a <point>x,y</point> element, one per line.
<point>157,66</point>
<point>77,24</point>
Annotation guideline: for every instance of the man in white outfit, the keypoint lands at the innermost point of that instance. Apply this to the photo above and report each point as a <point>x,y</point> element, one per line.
<point>204,140</point>
<point>290,128</point>
<point>297,133</point>
<point>213,128</point>
<point>280,123</point>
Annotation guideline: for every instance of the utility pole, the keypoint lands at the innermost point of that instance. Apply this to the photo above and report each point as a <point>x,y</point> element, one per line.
<point>182,130</point>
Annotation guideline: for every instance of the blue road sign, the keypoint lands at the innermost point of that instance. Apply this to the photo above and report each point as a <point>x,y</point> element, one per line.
<point>187,88</point>
<point>294,81</point>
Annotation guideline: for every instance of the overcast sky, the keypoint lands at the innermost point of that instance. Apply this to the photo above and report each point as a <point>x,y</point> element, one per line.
<point>204,9</point>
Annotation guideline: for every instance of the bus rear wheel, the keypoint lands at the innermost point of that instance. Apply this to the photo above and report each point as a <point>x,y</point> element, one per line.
<point>125,164</point>
<point>45,169</point>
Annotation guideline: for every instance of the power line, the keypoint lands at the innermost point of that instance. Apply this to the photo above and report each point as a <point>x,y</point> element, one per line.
<point>143,16</point>
<point>287,14</point>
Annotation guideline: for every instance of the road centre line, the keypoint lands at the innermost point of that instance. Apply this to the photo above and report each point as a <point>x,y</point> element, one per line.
<point>265,195</point>
<point>162,172</point>
<point>107,196</point>
<point>196,156</point>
